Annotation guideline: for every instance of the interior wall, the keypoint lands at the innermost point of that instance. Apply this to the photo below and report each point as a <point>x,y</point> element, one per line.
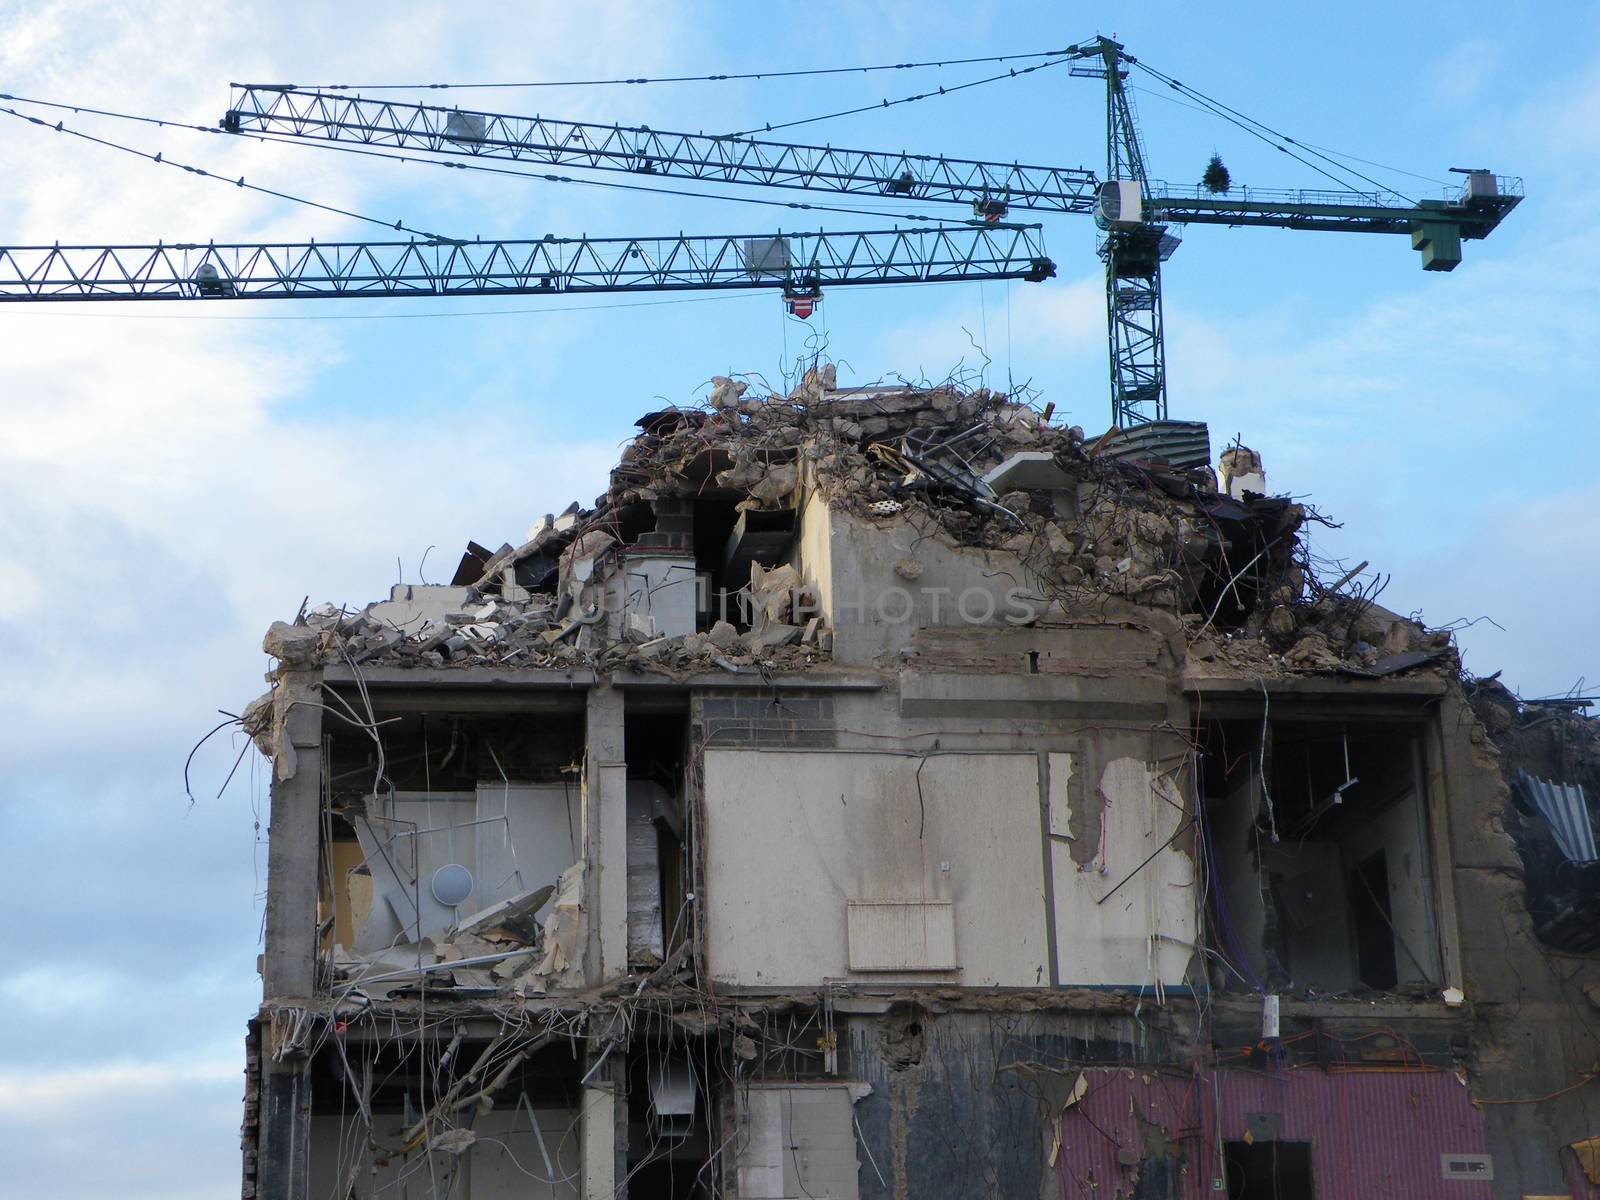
<point>816,552</point>
<point>513,838</point>
<point>1139,932</point>
<point>1399,831</point>
<point>796,1141</point>
<point>504,1163</point>
<point>1231,819</point>
<point>1310,883</point>
<point>793,836</point>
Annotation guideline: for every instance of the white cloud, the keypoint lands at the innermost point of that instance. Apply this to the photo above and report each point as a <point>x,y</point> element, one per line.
<point>170,487</point>
<point>32,1097</point>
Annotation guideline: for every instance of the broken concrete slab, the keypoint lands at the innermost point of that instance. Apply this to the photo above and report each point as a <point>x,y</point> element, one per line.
<point>1029,469</point>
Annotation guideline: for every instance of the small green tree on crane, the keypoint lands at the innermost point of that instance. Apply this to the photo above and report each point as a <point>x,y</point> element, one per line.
<point>1216,179</point>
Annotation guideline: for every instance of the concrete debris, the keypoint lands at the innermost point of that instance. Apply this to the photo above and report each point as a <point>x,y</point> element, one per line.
<point>691,561</point>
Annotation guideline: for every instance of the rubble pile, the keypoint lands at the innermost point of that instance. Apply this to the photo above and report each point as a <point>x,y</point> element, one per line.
<point>973,468</point>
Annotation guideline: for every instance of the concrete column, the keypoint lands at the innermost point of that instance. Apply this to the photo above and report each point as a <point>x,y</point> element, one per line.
<point>283,1163</point>
<point>605,837</point>
<point>293,845</point>
<point>603,1129</point>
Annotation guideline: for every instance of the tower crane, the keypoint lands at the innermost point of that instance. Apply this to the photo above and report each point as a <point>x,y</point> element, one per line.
<point>1134,213</point>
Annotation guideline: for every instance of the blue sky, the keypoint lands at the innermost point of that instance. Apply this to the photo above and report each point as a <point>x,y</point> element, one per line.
<point>171,483</point>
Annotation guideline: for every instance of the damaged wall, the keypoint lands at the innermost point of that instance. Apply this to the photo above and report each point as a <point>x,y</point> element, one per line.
<point>960,1102</point>
<point>792,838</point>
<point>1123,881</point>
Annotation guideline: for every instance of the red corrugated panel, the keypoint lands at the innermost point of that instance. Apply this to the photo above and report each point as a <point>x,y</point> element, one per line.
<point>1374,1135</point>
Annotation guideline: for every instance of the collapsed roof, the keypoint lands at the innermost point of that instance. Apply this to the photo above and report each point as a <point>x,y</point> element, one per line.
<point>715,494</point>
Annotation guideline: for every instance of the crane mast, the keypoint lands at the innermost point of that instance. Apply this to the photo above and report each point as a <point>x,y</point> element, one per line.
<point>1133,250</point>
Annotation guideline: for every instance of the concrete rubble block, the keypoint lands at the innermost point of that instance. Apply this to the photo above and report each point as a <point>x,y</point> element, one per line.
<point>411,605</point>
<point>292,645</point>
<point>1029,469</point>
<point>1018,502</point>
<point>773,592</point>
<point>776,634</point>
<point>776,485</point>
<point>725,392</point>
<point>568,518</point>
<point>323,616</point>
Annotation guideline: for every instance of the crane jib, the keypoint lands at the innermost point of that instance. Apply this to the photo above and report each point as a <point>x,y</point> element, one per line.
<point>792,262</point>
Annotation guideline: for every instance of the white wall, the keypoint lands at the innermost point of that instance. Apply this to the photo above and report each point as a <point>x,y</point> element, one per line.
<point>795,1142</point>
<point>792,836</point>
<point>1113,942</point>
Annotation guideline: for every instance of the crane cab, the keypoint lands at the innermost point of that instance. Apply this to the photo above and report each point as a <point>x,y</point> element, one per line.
<point>1119,204</point>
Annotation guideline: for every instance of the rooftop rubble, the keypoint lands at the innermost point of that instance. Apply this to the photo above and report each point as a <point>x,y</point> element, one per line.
<point>1092,521</point>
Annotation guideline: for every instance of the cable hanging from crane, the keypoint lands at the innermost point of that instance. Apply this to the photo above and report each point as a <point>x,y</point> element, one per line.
<point>161,160</point>
<point>717,78</point>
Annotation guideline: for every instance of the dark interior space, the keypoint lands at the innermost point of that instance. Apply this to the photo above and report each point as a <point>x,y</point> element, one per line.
<point>395,1078</point>
<point>669,1141</point>
<point>441,752</point>
<point>1372,922</point>
<point>656,744</point>
<point>1268,1170</point>
<point>1318,856</point>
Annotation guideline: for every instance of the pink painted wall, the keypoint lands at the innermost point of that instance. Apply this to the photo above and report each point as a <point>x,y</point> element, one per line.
<point>1375,1135</point>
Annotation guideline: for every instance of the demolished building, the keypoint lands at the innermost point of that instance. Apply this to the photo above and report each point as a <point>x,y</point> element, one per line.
<point>887,792</point>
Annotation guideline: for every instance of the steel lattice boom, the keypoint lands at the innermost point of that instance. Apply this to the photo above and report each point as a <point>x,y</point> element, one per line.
<point>797,262</point>
<point>321,116</point>
<point>1138,236</point>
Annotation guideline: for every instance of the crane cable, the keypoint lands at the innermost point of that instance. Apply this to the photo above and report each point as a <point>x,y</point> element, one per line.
<point>1166,99</point>
<point>288,139</point>
<point>1262,131</point>
<point>732,198</point>
<point>1013,73</point>
<point>161,160</point>
<point>792,74</point>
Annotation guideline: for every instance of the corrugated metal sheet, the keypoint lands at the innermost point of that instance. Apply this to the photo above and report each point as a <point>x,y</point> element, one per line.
<point>1564,807</point>
<point>1373,1135</point>
<point>1181,444</point>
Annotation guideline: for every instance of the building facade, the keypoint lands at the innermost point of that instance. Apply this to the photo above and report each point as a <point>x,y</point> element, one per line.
<point>888,793</point>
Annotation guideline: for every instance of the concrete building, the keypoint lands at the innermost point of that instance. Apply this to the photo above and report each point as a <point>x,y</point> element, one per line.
<point>887,793</point>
